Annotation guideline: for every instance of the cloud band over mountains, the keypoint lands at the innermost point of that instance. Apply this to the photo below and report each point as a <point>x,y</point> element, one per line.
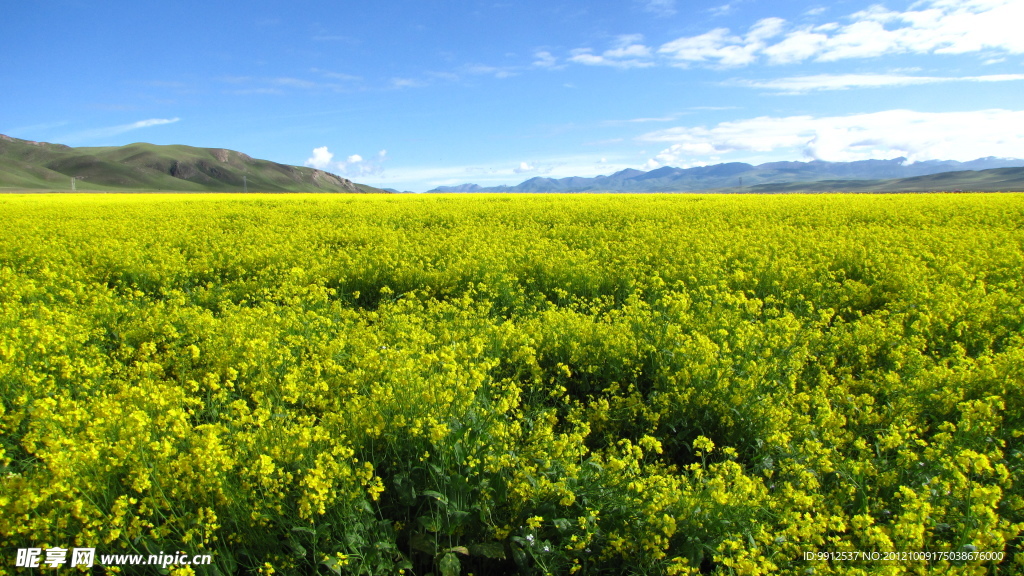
<point>930,27</point>
<point>889,134</point>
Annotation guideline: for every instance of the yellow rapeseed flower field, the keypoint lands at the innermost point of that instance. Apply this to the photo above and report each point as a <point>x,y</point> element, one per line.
<point>516,384</point>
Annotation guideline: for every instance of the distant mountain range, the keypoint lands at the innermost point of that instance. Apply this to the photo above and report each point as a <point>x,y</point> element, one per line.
<point>25,164</point>
<point>148,167</point>
<point>741,177</point>
<point>992,180</point>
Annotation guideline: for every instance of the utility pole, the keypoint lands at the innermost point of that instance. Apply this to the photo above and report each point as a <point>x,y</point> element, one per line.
<point>72,183</point>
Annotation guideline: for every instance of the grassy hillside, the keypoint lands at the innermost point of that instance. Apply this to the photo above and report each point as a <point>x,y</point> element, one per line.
<point>994,180</point>
<point>40,165</point>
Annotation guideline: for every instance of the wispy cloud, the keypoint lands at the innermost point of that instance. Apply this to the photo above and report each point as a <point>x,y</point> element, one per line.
<point>889,134</point>
<point>293,83</point>
<point>723,10</point>
<point>604,142</point>
<point>496,71</point>
<point>423,178</point>
<point>544,59</point>
<point>335,38</point>
<point>335,82</point>
<point>626,52</point>
<point>246,91</point>
<point>643,120</point>
<point>407,83</point>
<point>661,7</point>
<point>821,82</point>
<point>336,75</point>
<point>28,130</point>
<point>109,131</point>
<point>721,48</point>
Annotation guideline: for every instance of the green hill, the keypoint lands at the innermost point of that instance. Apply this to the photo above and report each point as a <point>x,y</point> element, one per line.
<point>149,167</point>
<point>993,180</point>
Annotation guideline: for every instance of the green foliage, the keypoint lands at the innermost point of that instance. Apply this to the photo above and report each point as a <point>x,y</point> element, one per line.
<point>515,385</point>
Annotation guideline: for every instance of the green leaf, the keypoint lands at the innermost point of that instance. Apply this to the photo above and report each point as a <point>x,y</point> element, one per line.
<point>457,517</point>
<point>450,565</point>
<point>460,549</point>
<point>488,550</point>
<point>520,557</point>
<point>419,541</point>
<point>437,495</point>
<point>297,549</point>
<point>405,490</point>
<point>430,523</point>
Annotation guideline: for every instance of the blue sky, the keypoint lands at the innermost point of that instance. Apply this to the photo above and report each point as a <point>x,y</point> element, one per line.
<point>411,95</point>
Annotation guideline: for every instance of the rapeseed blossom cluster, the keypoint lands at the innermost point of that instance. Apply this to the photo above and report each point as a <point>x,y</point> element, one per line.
<point>515,384</point>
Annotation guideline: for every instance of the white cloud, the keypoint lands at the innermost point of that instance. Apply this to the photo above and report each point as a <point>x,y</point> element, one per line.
<point>797,47</point>
<point>354,166</point>
<point>141,124</point>
<point>407,83</point>
<point>496,71</point>
<point>28,130</point>
<point>256,91</point>
<point>627,52</point>
<point>889,134</point>
<point>642,120</point>
<point>446,76</point>
<point>764,29</point>
<point>524,167</point>
<point>116,130</point>
<point>337,75</point>
<point>423,178</point>
<point>661,7</point>
<point>819,82</point>
<point>702,48</point>
<point>929,27</point>
<point>723,10</point>
<point>321,158</point>
<point>293,83</point>
<point>653,119</point>
<point>544,59</point>
<point>280,85</point>
<point>630,51</point>
<point>719,48</point>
